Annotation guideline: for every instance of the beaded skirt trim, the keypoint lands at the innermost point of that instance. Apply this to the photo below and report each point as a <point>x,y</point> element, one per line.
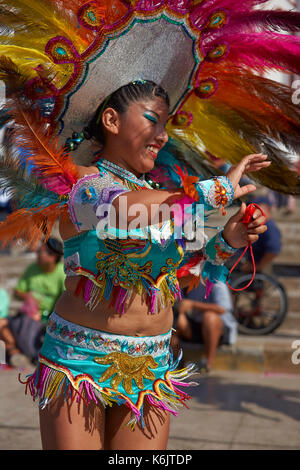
<point>129,375</point>
<point>76,335</point>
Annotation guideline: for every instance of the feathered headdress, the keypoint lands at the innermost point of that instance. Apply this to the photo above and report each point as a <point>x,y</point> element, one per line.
<point>61,58</point>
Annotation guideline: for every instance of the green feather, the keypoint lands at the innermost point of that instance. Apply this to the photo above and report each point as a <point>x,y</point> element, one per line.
<point>25,188</point>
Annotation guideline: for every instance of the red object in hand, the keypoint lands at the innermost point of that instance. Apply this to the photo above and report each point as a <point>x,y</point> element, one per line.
<point>248,217</point>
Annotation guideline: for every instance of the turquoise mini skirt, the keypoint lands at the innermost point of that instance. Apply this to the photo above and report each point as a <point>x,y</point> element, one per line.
<point>108,369</point>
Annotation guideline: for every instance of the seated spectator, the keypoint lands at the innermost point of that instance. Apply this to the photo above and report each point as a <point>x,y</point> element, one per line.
<point>207,321</point>
<point>40,286</point>
<point>268,245</point>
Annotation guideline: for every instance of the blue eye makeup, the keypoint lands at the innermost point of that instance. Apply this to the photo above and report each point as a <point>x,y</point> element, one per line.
<point>150,117</point>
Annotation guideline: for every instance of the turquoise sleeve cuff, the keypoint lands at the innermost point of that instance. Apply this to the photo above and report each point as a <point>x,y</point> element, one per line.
<point>217,250</point>
<point>215,193</point>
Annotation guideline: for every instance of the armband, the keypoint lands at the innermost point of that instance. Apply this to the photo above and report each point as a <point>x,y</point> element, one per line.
<point>215,193</point>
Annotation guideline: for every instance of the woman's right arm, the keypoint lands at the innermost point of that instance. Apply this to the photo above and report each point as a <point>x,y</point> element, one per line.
<point>154,206</point>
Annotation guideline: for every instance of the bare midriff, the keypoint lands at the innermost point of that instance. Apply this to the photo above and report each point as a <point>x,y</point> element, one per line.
<point>136,321</point>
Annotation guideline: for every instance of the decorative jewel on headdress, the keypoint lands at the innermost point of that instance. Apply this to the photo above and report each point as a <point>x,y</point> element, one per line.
<point>217,53</point>
<point>182,118</point>
<point>92,15</point>
<point>217,20</point>
<point>206,88</point>
<point>139,82</point>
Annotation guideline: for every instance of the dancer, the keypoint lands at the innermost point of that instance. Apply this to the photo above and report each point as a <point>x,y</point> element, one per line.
<point>106,352</point>
<point>123,355</point>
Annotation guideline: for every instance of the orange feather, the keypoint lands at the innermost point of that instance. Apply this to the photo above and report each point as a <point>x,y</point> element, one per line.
<point>53,166</point>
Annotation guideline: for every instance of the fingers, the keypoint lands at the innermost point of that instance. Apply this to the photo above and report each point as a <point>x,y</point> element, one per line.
<point>243,190</point>
<point>257,230</point>
<point>252,238</point>
<point>256,167</point>
<point>256,162</point>
<point>254,158</point>
<point>258,221</point>
<point>257,213</point>
<point>253,162</point>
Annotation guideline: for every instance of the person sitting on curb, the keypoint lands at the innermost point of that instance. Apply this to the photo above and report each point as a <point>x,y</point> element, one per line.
<point>207,321</point>
<point>40,286</point>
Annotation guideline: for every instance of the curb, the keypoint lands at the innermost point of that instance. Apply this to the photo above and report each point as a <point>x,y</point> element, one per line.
<point>275,357</point>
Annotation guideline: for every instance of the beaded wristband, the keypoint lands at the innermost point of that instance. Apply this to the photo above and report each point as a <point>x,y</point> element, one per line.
<point>213,193</point>
<point>218,192</point>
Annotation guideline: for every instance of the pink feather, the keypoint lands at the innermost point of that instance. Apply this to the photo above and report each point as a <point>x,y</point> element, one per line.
<point>201,13</point>
<point>261,50</point>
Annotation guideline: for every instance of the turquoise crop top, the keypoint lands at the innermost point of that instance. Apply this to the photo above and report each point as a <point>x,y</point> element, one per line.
<point>114,263</point>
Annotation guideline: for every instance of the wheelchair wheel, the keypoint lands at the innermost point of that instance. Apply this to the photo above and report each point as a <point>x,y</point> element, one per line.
<point>261,308</point>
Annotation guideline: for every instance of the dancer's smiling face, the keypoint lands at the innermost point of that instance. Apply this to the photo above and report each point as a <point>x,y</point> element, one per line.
<point>133,138</point>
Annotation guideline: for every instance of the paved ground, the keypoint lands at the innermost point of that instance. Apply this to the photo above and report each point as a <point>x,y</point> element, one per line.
<point>229,411</point>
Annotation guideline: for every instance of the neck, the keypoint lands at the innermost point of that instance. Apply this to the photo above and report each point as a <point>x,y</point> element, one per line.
<point>118,159</point>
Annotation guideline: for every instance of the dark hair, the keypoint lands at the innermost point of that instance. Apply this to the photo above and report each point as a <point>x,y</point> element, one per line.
<point>55,247</point>
<point>120,100</point>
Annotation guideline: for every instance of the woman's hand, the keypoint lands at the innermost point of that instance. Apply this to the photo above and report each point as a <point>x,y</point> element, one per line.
<point>238,235</point>
<point>248,164</point>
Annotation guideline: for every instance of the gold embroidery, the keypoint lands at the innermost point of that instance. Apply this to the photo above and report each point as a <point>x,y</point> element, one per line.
<point>127,368</point>
<point>117,265</point>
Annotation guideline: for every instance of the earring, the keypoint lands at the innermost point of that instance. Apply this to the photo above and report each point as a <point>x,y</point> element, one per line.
<point>72,143</point>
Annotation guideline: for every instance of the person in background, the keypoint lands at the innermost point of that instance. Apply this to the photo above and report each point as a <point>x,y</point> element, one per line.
<point>207,321</point>
<point>39,288</point>
<point>4,304</point>
<point>283,201</point>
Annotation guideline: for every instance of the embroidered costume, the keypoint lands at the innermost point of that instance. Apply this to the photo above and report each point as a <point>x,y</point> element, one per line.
<point>109,368</point>
<point>59,60</point>
<point>143,260</point>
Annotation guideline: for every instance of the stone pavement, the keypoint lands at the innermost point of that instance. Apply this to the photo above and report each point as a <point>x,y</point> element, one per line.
<point>230,410</point>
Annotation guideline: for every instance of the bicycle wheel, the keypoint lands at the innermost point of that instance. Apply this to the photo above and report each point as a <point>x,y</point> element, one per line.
<point>262,307</point>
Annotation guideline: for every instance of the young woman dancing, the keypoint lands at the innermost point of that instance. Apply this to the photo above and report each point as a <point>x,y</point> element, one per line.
<point>105,361</point>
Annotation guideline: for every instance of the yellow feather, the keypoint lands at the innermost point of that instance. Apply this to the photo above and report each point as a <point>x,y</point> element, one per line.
<point>34,23</point>
<point>26,60</point>
<point>210,133</point>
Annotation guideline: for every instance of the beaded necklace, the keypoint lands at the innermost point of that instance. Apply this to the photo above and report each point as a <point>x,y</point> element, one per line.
<point>132,181</point>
